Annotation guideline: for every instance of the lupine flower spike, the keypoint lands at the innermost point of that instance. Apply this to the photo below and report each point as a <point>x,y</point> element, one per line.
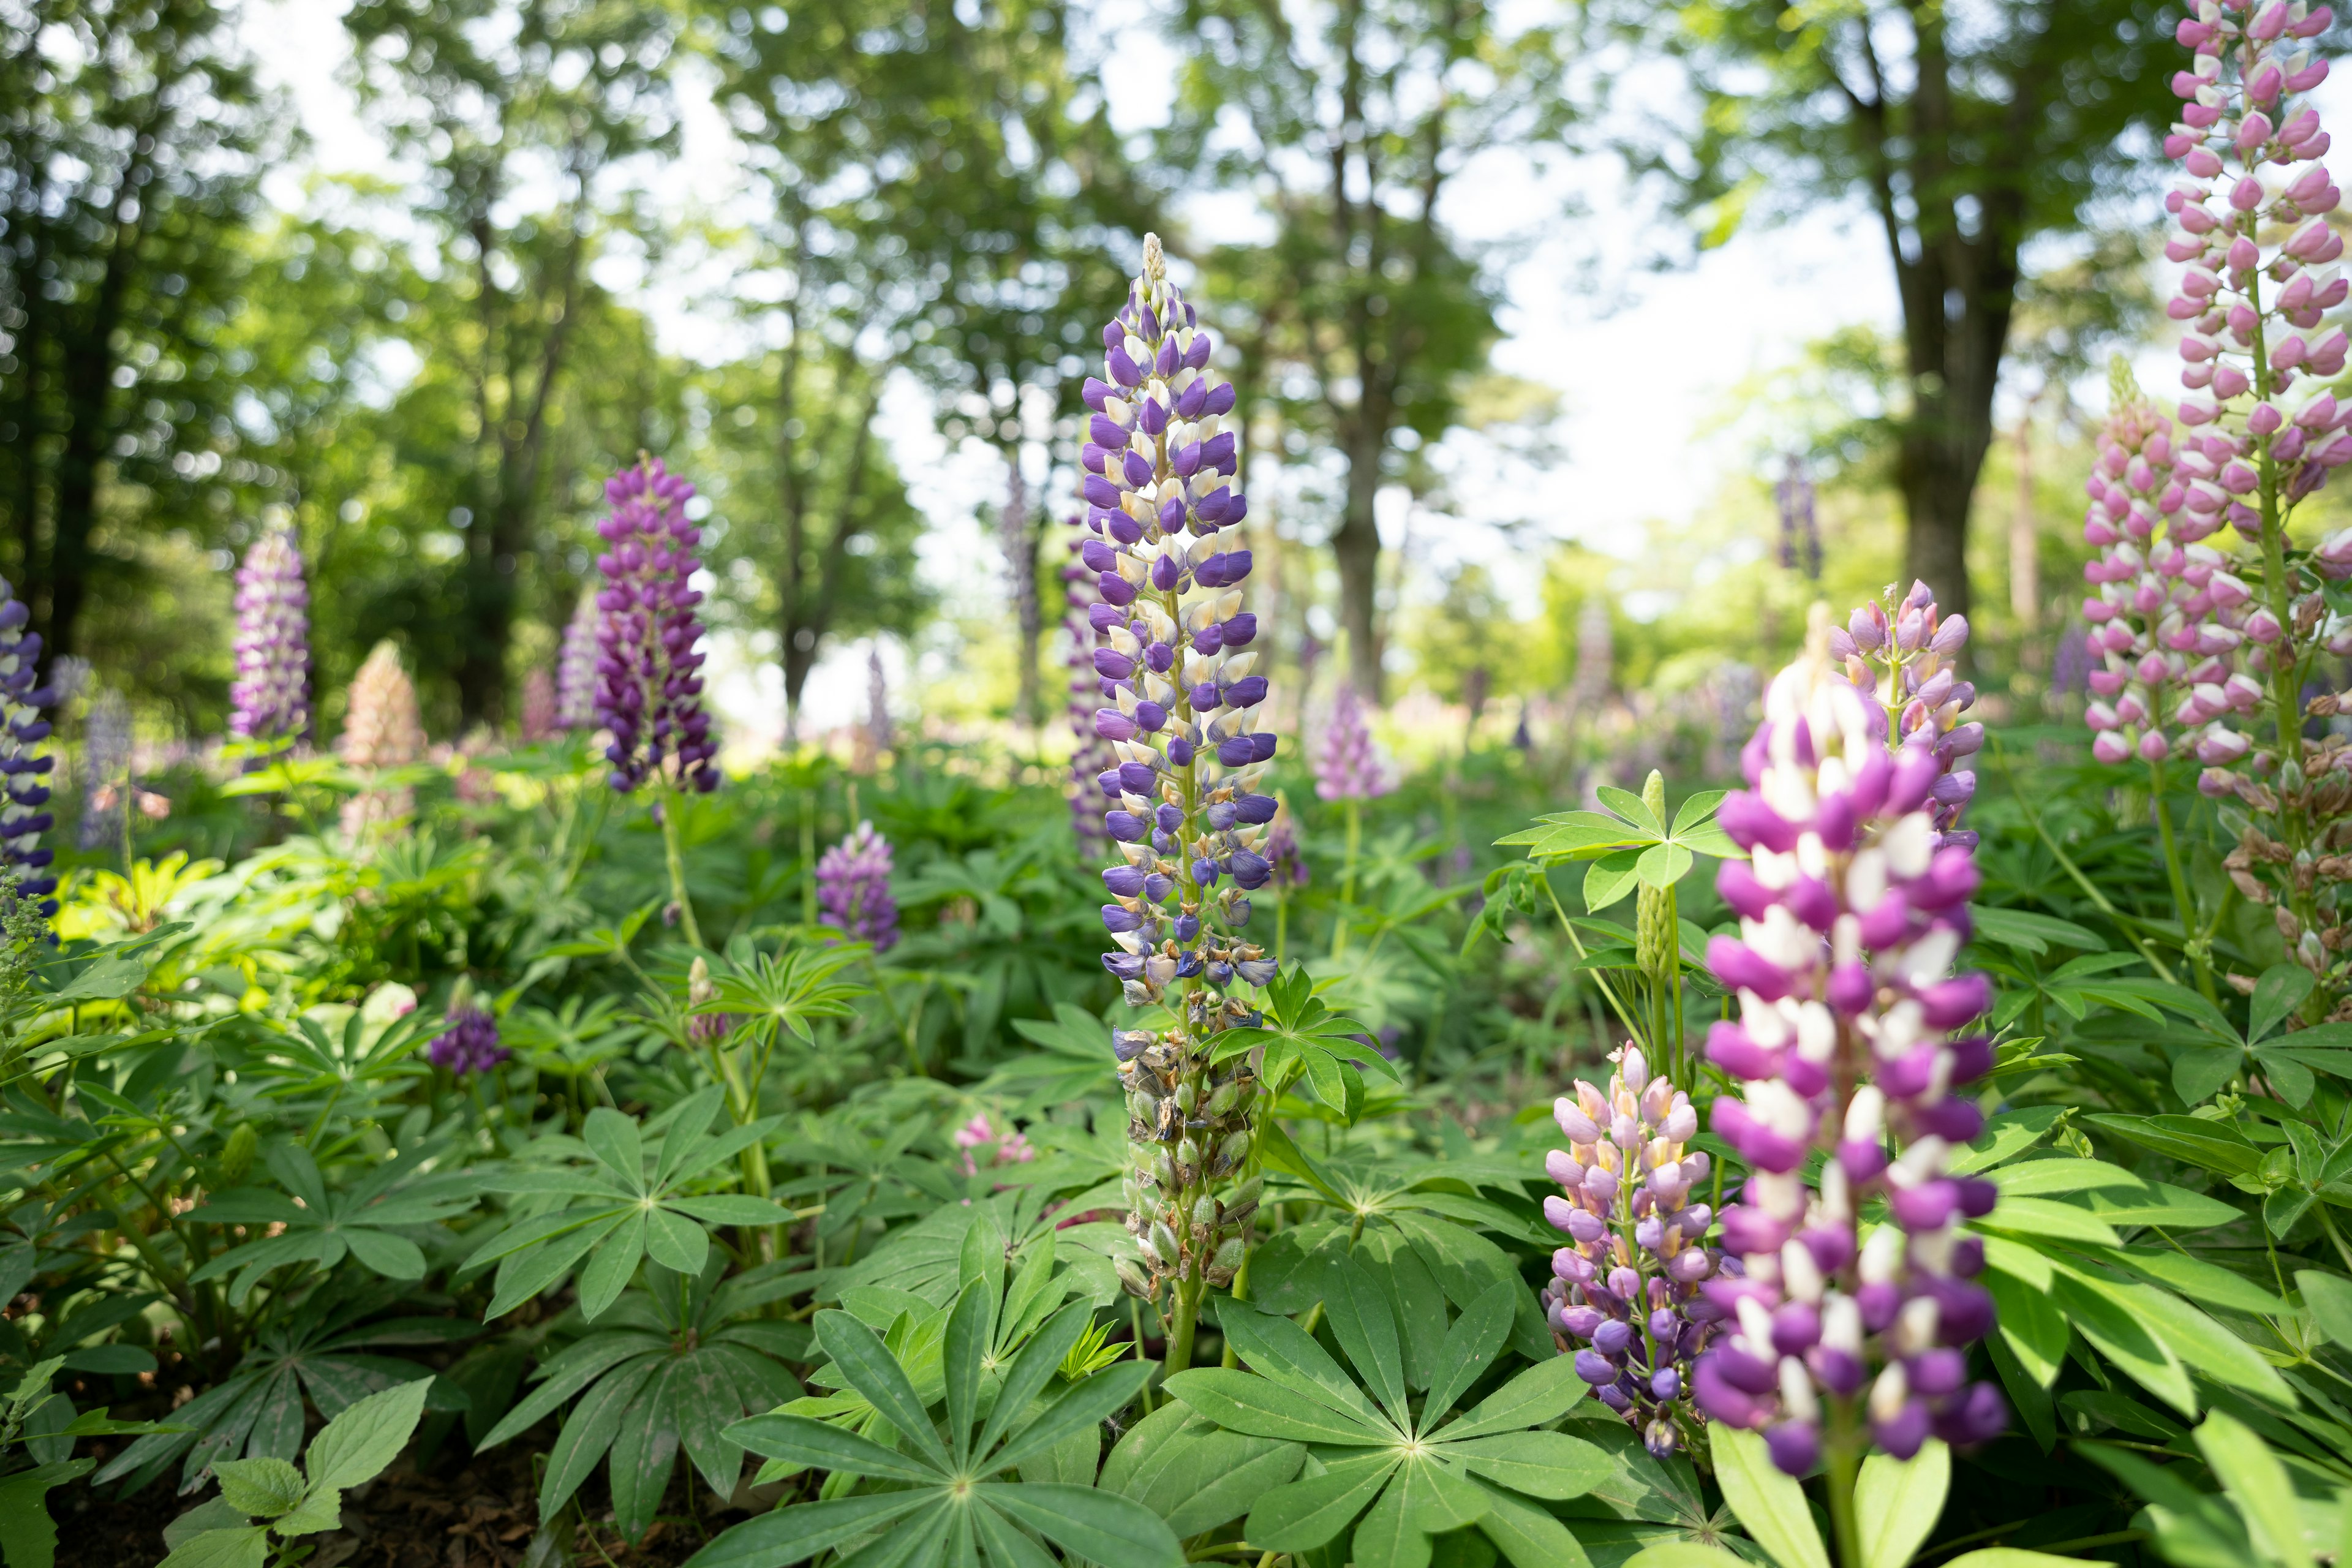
<point>537,707</point>
<point>270,699</point>
<point>853,887</point>
<point>649,669</point>
<point>1626,1288</point>
<point>1905,654</point>
<point>1349,767</point>
<point>1851,1040</point>
<point>1180,712</point>
<point>470,1041</point>
<point>381,728</point>
<point>575,665</point>
<point>24,814</point>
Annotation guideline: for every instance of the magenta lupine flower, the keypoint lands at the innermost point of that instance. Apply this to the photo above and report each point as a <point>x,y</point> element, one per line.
<point>649,669</point>
<point>1349,767</point>
<point>2252,309</point>
<point>469,1043</point>
<point>23,817</point>
<point>1090,760</point>
<point>1850,1041</point>
<point>1627,1287</point>
<point>575,665</point>
<point>853,887</point>
<point>1174,661</point>
<point>270,699</point>
<point>1908,658</point>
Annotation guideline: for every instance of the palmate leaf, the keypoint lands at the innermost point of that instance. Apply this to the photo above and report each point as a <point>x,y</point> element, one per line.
<point>1630,845</point>
<point>951,1472</point>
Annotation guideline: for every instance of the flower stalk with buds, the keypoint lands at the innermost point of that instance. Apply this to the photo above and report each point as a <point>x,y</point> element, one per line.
<point>269,700</point>
<point>1174,664</point>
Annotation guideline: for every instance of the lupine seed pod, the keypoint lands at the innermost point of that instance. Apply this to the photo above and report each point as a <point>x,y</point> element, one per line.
<point>575,665</point>
<point>1627,1287</point>
<point>270,699</point>
<point>1174,662</point>
<point>24,811</point>
<point>1849,1034</point>
<point>650,665</point>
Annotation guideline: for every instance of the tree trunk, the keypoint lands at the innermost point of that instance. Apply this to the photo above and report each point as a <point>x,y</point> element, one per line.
<point>1356,545</point>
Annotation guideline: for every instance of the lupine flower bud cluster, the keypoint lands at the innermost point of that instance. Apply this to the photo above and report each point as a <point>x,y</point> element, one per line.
<point>575,665</point>
<point>1173,655</point>
<point>649,669</point>
<point>1626,1289</point>
<point>1174,661</point>
<point>1349,767</point>
<point>1907,658</point>
<point>1090,757</point>
<point>23,814</point>
<point>2166,615</point>
<point>270,699</point>
<point>853,887</point>
<point>470,1042</point>
<point>1850,1041</point>
<point>382,728</point>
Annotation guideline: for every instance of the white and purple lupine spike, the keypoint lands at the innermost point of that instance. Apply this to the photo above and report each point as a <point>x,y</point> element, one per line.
<point>649,663</point>
<point>269,698</point>
<point>1172,659</point>
<point>1090,756</point>
<point>575,666</point>
<point>1851,1036</point>
<point>469,1042</point>
<point>853,887</point>
<point>1907,655</point>
<point>23,810</point>
<point>1624,1295</point>
<point>1349,767</point>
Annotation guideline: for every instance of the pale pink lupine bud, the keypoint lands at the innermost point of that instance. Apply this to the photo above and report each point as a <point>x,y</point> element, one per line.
<point>2337,548</point>
<point>2268,23</point>
<point>2201,163</point>
<point>2229,382</point>
<point>2306,187</point>
<point>2130,709</point>
<point>2100,715</point>
<point>2110,747</point>
<point>2243,257</point>
<point>2217,782</point>
<point>2238,478</point>
<point>2182,308</point>
<point>2263,419</point>
<point>2263,627</point>
<point>2197,350</point>
<point>2106,682</point>
<point>1951,634</point>
<point>2244,693</point>
<point>2219,746</point>
<point>2246,194</point>
<point>2195,413</point>
<point>2228,589</point>
<point>1867,627</point>
<point>2319,413</point>
<point>2332,295</point>
<point>2196,220</point>
<point>2315,22</point>
<point>2307,79</point>
<point>2154,747</point>
<point>2263,87</point>
<point>2177,146</point>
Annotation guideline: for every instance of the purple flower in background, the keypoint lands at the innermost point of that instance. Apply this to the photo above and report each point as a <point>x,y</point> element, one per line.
<point>269,698</point>
<point>1283,853</point>
<point>853,887</point>
<point>649,669</point>
<point>1349,766</point>
<point>575,665</point>
<point>2070,663</point>
<point>23,817</point>
<point>470,1041</point>
<point>1907,658</point>
<point>1853,909</point>
<point>1801,534</point>
<point>1627,1285</point>
<point>105,782</point>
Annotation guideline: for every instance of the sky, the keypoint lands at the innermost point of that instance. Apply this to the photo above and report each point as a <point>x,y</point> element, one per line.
<point>1645,363</point>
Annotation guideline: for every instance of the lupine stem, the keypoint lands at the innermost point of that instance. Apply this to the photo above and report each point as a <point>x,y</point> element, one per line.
<point>666,810</point>
<point>2190,944</point>
<point>1842,1468</point>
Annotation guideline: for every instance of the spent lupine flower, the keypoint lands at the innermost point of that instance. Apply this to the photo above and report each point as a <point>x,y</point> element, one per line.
<point>23,817</point>
<point>1849,1042</point>
<point>381,728</point>
<point>539,721</point>
<point>649,667</point>
<point>270,699</point>
<point>853,887</point>
<point>106,757</point>
<point>1626,1288</point>
<point>575,665</point>
<point>1907,658</point>
<point>2166,617</point>
<point>1176,667</point>
<point>468,1042</point>
<point>1349,766</point>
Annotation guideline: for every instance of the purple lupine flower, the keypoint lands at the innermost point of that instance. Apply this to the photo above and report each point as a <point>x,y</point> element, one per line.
<point>106,757</point>
<point>23,817</point>
<point>2070,663</point>
<point>649,667</point>
<point>270,699</point>
<point>1801,534</point>
<point>1908,658</point>
<point>1283,853</point>
<point>1349,767</point>
<point>1174,661</point>
<point>575,665</point>
<point>879,728</point>
<point>1627,1285</point>
<point>2167,618</point>
<point>853,887</point>
<point>1851,1028</point>
<point>470,1041</point>
<point>1091,761</point>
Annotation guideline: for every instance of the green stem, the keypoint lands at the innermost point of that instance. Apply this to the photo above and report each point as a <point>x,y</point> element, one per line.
<point>666,808</point>
<point>1189,1290</point>
<point>1625,1014</point>
<point>2180,898</point>
<point>1354,812</point>
<point>2327,1223</point>
<point>1842,1465</point>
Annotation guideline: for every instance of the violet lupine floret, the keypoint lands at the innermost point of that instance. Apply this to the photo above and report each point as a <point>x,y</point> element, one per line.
<point>649,663</point>
<point>24,814</point>
<point>269,698</point>
<point>1626,1288</point>
<point>1908,658</point>
<point>1349,766</point>
<point>575,665</point>
<point>1090,758</point>
<point>1853,1033</point>
<point>470,1041</point>
<point>1173,657</point>
<point>853,887</point>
